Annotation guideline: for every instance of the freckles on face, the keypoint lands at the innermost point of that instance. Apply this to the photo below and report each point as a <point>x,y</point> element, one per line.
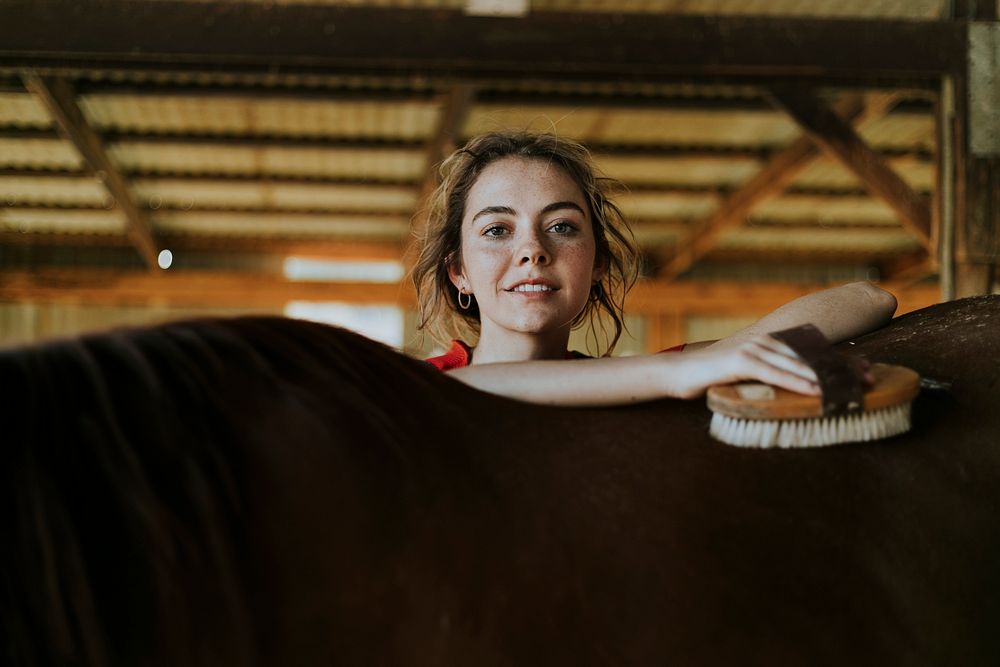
<point>528,248</point>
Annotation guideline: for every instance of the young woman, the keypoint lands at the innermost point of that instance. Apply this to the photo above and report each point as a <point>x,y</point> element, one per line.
<point>523,244</point>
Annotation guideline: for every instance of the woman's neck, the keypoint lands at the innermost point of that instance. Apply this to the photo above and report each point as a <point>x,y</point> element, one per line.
<point>497,347</point>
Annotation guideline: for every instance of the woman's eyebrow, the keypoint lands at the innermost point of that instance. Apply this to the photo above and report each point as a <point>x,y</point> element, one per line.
<point>555,206</point>
<point>494,209</point>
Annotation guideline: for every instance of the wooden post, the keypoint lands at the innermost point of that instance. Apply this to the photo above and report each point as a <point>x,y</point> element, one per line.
<point>664,329</point>
<point>977,164</point>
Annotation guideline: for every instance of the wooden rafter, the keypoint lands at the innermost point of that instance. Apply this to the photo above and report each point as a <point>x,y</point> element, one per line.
<point>772,180</point>
<point>189,288</point>
<point>911,267</point>
<point>838,139</point>
<point>451,118</point>
<point>57,96</point>
<point>209,288</point>
<point>326,38</point>
<point>223,245</point>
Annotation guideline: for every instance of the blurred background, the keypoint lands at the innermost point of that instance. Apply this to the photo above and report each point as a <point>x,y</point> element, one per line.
<point>163,159</point>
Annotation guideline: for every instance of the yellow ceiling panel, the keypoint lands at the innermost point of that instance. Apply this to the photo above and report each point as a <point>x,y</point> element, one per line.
<point>22,110</point>
<point>62,222</point>
<point>728,172</point>
<point>284,225</point>
<point>39,154</point>
<point>292,161</point>
<point>159,114</point>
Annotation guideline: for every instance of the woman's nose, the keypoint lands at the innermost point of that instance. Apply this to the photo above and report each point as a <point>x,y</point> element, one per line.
<point>532,251</point>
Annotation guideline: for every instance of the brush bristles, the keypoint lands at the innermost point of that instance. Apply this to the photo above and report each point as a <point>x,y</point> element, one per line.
<point>859,427</point>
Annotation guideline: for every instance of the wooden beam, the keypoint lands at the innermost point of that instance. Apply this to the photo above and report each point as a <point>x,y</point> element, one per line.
<point>200,288</point>
<point>909,268</point>
<point>971,204</point>
<point>57,96</point>
<point>664,329</point>
<point>747,298</point>
<point>276,37</point>
<point>974,10</point>
<point>320,248</point>
<point>768,183</point>
<point>842,142</point>
<point>189,288</point>
<point>451,119</point>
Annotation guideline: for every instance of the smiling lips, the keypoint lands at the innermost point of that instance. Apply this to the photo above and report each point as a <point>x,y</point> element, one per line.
<point>531,287</point>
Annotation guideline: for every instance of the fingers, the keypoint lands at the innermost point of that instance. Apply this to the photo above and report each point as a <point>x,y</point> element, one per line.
<point>768,360</point>
<point>781,356</point>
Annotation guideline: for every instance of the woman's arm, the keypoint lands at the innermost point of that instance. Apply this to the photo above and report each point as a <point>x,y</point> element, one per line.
<point>749,354</point>
<point>620,380</point>
<point>840,313</point>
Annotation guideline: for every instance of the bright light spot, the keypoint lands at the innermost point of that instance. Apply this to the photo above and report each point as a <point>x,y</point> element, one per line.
<point>496,7</point>
<point>381,323</point>
<point>301,268</point>
<point>165,259</point>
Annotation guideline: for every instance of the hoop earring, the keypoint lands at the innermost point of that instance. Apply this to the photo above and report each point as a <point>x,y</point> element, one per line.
<point>468,300</point>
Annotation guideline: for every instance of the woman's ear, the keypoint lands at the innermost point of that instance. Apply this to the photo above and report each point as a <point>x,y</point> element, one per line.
<point>455,272</point>
<point>600,269</point>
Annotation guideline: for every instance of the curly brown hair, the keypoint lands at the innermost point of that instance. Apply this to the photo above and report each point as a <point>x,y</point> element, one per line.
<point>440,314</point>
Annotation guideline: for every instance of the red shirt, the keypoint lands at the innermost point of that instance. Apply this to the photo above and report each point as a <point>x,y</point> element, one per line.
<point>459,354</point>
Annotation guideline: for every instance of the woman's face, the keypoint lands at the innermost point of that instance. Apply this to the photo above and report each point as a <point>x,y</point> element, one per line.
<point>528,249</point>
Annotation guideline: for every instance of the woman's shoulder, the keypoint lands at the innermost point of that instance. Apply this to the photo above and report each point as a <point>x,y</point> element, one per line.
<point>457,356</point>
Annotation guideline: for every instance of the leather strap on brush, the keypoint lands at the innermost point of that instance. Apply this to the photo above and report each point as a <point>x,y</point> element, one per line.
<point>839,374</point>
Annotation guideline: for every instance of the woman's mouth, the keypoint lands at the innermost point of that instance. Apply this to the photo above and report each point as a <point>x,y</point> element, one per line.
<point>525,287</point>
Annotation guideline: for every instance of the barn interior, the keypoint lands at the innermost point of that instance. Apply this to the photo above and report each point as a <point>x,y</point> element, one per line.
<point>162,159</point>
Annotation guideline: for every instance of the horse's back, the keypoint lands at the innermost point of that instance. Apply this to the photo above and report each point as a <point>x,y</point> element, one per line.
<point>378,512</point>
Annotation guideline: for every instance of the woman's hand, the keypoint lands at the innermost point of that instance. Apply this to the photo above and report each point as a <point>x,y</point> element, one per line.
<point>760,358</point>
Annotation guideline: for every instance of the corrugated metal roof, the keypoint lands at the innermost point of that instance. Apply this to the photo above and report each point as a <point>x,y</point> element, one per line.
<point>838,210</point>
<point>832,175</point>
<point>22,110</point>
<point>725,172</point>
<point>704,127</point>
<point>819,239</point>
<point>84,191</point>
<point>39,154</point>
<point>158,114</point>
<point>187,194</point>
<point>65,222</point>
<point>698,142</point>
<point>402,164</point>
<point>639,205</point>
<point>901,130</point>
<point>283,225</point>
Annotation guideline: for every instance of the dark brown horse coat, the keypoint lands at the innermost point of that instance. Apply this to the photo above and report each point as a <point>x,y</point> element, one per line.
<point>264,491</point>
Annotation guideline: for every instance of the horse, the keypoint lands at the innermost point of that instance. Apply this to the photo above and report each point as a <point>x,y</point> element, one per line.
<point>264,491</point>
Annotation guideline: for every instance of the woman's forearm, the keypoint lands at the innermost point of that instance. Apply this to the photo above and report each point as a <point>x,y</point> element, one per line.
<point>840,313</point>
<point>622,380</point>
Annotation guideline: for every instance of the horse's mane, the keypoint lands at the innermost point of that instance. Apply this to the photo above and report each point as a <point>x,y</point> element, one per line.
<point>121,474</point>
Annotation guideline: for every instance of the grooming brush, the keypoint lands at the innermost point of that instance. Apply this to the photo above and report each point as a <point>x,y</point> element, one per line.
<point>759,415</point>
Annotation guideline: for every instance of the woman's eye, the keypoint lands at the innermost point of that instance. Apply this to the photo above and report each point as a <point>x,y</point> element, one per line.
<point>561,228</point>
<point>495,230</point>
